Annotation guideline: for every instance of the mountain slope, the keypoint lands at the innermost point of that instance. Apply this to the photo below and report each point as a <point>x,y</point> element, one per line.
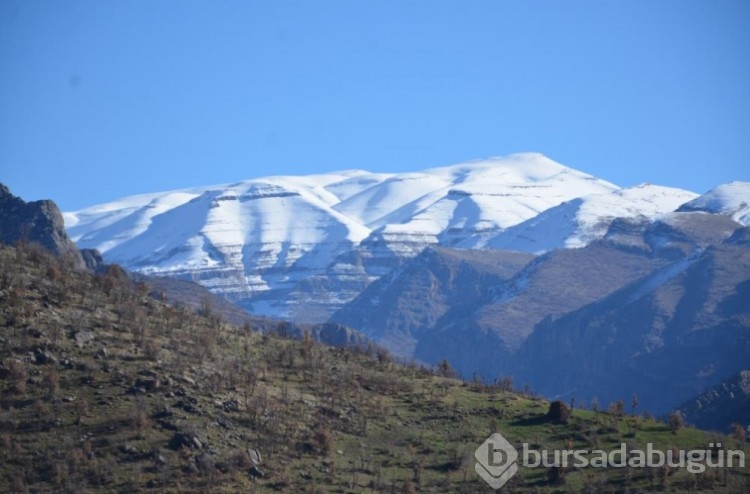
<point>548,310</point>
<point>722,405</point>
<point>398,308</point>
<point>578,222</point>
<point>665,337</point>
<point>732,199</point>
<point>108,390</point>
<point>193,296</point>
<point>301,247</point>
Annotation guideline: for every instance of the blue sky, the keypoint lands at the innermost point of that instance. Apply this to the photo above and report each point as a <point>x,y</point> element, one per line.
<point>104,99</point>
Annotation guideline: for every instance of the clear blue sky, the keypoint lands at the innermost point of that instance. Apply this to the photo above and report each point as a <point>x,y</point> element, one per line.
<point>101,99</point>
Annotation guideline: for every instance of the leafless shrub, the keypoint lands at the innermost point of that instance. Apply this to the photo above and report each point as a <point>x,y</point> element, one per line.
<point>52,382</point>
<point>324,440</point>
<point>139,418</point>
<point>676,421</point>
<point>18,375</point>
<point>152,349</point>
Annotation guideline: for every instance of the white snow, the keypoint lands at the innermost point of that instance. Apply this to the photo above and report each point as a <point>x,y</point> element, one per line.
<point>271,232</point>
<point>661,277</point>
<point>285,216</point>
<point>732,199</point>
<point>578,222</point>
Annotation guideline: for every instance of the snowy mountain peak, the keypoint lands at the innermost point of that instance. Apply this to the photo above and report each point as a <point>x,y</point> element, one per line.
<point>520,168</point>
<point>732,199</point>
<point>302,246</point>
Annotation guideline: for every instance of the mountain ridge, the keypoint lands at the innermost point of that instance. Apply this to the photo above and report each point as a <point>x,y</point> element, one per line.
<point>561,311</point>
<point>301,247</point>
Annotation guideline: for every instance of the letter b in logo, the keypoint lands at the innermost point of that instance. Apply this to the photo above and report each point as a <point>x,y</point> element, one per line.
<point>496,461</point>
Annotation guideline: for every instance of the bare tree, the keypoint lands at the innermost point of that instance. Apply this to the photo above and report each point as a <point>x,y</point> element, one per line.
<point>676,421</point>
<point>739,433</point>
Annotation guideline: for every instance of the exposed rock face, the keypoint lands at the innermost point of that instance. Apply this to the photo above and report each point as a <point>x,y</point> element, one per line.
<point>558,412</point>
<point>39,221</point>
<point>93,260</point>
<point>331,334</point>
<point>722,405</point>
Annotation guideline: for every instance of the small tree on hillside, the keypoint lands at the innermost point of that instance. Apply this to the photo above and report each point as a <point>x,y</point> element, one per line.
<point>558,412</point>
<point>740,434</point>
<point>445,369</point>
<point>617,411</point>
<point>676,421</point>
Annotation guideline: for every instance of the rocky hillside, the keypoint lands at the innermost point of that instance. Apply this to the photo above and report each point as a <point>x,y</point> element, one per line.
<point>105,389</point>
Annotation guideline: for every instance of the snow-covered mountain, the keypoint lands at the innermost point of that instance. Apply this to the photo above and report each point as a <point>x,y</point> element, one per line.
<point>300,247</point>
<point>578,222</point>
<point>732,199</point>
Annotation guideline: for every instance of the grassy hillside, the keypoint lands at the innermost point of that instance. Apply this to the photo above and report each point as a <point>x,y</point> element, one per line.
<point>106,389</point>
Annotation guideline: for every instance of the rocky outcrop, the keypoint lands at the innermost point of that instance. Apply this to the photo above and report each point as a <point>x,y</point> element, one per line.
<point>93,260</point>
<point>39,222</point>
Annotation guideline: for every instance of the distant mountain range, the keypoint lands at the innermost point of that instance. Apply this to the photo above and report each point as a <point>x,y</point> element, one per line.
<point>302,247</point>
<point>515,266</point>
<point>658,309</point>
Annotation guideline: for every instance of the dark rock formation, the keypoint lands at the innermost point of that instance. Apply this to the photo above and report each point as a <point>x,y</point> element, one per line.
<point>93,260</point>
<point>38,221</point>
